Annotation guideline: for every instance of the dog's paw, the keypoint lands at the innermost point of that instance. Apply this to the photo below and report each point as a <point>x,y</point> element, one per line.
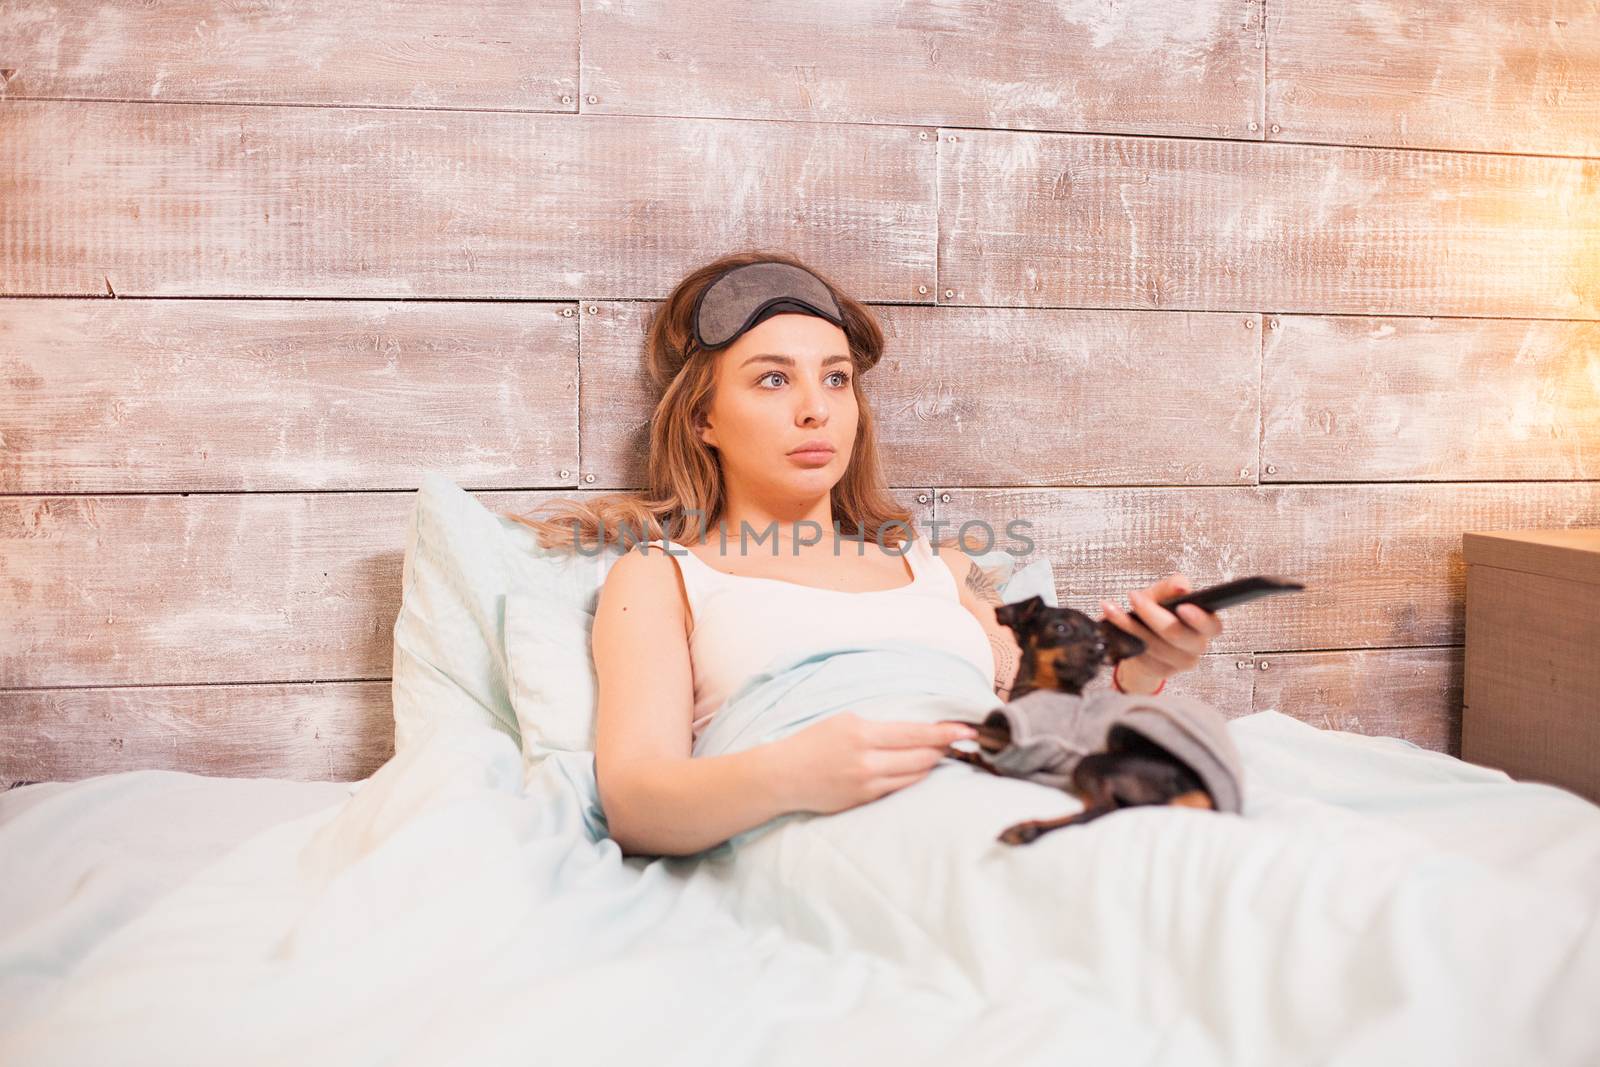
<point>1020,834</point>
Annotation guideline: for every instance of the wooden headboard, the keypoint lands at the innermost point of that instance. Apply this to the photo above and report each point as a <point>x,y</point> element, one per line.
<point>1197,291</point>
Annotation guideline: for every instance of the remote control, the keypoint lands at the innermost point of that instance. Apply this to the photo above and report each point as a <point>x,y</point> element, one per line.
<point>1215,598</point>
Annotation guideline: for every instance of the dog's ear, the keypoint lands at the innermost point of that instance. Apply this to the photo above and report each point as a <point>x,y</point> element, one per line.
<point>1017,615</point>
<point>1120,644</point>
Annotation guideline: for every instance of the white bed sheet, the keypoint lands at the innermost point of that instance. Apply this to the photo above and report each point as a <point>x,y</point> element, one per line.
<point>1377,903</point>
<point>84,858</point>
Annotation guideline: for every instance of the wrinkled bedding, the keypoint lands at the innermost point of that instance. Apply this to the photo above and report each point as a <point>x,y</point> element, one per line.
<point>1374,903</point>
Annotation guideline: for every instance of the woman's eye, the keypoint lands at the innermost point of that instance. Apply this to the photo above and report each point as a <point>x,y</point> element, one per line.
<point>843,375</point>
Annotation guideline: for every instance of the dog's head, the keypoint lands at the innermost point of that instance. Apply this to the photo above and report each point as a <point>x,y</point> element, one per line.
<point>1062,648</point>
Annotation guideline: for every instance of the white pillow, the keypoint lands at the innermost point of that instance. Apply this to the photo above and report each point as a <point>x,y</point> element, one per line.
<point>470,579</point>
<point>550,672</point>
<point>1036,579</point>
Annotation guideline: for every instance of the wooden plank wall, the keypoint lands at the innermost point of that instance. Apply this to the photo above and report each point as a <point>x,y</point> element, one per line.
<point>1222,287</point>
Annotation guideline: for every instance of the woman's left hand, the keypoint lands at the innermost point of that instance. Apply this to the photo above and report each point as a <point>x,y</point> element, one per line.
<point>1173,643</point>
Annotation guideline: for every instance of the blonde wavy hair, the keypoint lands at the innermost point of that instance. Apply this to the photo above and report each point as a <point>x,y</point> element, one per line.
<point>684,493</point>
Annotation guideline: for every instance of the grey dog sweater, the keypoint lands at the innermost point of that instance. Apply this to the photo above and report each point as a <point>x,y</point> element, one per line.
<point>1051,731</point>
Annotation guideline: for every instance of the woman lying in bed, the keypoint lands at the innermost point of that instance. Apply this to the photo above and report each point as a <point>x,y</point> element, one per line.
<point>765,490</point>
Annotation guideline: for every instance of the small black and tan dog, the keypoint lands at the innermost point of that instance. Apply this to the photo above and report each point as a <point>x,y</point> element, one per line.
<point>1061,648</point>
<point>1064,649</point>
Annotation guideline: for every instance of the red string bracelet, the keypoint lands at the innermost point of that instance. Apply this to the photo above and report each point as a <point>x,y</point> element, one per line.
<point>1118,685</point>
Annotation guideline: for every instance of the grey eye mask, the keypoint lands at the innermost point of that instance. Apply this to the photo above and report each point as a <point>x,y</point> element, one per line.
<point>745,296</point>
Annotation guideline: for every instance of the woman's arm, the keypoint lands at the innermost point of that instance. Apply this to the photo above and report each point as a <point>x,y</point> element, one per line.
<point>979,596</point>
<point>677,807</point>
<point>657,799</point>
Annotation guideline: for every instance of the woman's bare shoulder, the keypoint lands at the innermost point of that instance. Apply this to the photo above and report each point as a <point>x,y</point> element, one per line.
<point>965,571</point>
<point>648,579</point>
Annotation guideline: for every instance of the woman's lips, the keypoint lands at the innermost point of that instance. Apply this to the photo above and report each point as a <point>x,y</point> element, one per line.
<point>817,457</point>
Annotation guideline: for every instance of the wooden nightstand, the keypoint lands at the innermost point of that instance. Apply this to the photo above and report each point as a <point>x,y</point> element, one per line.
<point>1532,688</point>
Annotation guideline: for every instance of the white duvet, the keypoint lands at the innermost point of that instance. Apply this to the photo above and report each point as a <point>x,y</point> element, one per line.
<point>1376,903</point>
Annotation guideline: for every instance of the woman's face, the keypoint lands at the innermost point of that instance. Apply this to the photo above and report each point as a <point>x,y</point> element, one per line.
<point>784,384</point>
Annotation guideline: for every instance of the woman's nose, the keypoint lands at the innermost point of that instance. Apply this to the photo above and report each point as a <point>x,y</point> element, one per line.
<point>814,405</point>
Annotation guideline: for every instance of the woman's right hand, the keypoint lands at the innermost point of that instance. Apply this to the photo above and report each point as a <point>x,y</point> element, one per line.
<point>845,760</point>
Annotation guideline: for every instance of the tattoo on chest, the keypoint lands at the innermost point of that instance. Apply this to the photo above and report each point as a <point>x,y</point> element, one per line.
<point>1005,648</point>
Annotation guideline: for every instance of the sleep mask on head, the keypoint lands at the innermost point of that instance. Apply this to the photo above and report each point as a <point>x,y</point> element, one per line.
<point>745,296</point>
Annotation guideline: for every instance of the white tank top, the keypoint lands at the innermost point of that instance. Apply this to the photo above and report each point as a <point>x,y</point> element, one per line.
<point>740,623</point>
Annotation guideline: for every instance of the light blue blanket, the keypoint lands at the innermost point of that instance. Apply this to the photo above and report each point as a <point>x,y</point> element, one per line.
<point>887,679</point>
